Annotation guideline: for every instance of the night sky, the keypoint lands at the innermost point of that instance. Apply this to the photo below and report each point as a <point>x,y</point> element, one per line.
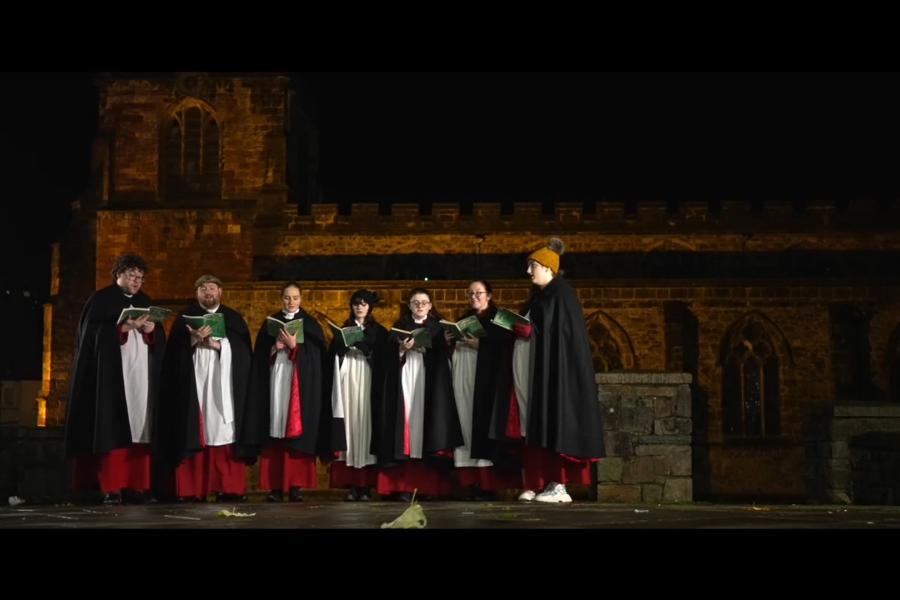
<point>407,137</point>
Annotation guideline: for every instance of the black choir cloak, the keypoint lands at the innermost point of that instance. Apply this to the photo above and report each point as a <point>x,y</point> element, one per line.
<point>314,411</point>
<point>179,407</point>
<point>442,432</point>
<point>493,383</point>
<point>374,347</point>
<point>563,410</point>
<point>97,415</point>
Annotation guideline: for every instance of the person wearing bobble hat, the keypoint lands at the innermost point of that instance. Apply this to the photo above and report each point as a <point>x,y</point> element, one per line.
<point>554,372</point>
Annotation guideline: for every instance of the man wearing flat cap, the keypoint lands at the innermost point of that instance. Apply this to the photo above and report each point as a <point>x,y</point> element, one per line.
<point>206,378</point>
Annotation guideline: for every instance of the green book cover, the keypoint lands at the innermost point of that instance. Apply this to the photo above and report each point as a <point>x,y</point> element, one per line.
<point>293,327</point>
<point>420,335</point>
<point>468,327</point>
<point>507,318</point>
<point>349,336</point>
<point>158,314</point>
<point>215,320</point>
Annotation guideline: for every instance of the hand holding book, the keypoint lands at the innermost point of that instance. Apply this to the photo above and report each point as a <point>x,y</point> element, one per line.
<point>470,327</point>
<point>421,338</point>
<point>348,336</point>
<point>293,328</point>
<point>215,322</point>
<point>156,314</point>
<point>507,319</point>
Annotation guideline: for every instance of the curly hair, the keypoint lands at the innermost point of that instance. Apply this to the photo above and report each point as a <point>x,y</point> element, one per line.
<point>126,262</point>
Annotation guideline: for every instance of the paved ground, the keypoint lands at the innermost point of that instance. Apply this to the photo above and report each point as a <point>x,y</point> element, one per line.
<point>331,513</point>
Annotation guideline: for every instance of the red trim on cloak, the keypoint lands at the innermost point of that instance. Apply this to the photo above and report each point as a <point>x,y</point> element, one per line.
<point>513,422</point>
<point>294,425</point>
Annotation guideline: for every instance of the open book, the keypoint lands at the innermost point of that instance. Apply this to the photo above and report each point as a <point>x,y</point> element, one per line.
<point>468,327</point>
<point>420,335</point>
<point>292,327</point>
<point>158,314</point>
<point>215,320</point>
<point>507,318</point>
<point>348,335</point>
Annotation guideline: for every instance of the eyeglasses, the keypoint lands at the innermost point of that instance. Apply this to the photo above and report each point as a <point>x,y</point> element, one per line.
<point>133,276</point>
<point>419,302</point>
<point>474,294</point>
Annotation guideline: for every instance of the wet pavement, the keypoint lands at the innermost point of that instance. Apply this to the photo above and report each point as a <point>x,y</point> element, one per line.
<point>326,512</point>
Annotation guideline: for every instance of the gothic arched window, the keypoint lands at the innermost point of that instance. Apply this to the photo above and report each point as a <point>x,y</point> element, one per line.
<point>604,349</point>
<point>191,153</point>
<point>750,383</point>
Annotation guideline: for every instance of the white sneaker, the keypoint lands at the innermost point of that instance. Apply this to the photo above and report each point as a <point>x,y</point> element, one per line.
<point>554,493</point>
<point>527,496</point>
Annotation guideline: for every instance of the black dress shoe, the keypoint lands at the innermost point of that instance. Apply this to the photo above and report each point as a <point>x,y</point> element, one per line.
<point>485,496</point>
<point>363,494</point>
<point>275,496</point>
<point>138,497</point>
<point>352,495</point>
<point>223,497</point>
<point>112,498</point>
<point>295,495</point>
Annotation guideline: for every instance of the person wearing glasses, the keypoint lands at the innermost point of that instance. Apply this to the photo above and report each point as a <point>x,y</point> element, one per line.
<point>114,385</point>
<point>418,423</point>
<point>482,379</point>
<point>206,377</point>
<point>286,418</point>
<point>355,384</point>
<point>562,420</point>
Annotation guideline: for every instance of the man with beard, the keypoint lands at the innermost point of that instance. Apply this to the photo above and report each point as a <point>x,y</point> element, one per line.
<point>206,374</point>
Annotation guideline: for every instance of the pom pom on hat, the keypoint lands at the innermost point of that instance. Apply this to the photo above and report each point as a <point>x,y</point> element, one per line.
<point>549,255</point>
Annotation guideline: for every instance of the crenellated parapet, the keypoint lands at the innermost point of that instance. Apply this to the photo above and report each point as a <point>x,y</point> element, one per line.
<point>602,216</point>
<point>609,227</point>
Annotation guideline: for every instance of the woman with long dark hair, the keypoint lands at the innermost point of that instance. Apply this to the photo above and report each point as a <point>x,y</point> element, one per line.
<point>355,385</point>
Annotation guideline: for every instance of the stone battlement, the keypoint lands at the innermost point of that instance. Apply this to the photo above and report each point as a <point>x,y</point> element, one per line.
<point>600,216</point>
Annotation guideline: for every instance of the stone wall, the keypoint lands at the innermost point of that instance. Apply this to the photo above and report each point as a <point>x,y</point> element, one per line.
<point>842,445</point>
<point>33,464</point>
<point>647,424</point>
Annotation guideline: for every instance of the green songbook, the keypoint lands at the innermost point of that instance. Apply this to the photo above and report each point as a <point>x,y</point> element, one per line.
<point>158,314</point>
<point>420,335</point>
<point>349,336</point>
<point>215,320</point>
<point>292,327</point>
<point>470,327</point>
<point>507,318</point>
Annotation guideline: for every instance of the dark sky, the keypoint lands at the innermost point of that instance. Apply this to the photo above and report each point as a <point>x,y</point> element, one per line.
<point>505,137</point>
<point>521,137</point>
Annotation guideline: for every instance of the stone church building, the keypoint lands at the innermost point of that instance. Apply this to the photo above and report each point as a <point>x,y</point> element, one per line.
<point>743,350</point>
